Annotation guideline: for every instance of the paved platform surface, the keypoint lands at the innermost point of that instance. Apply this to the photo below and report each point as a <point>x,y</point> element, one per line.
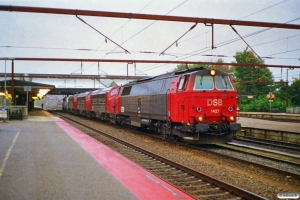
<point>43,157</point>
<point>268,124</point>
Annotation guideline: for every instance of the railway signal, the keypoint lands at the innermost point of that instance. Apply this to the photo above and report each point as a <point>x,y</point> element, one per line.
<point>270,96</point>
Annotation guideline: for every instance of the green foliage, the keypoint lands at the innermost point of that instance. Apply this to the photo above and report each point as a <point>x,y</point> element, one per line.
<point>225,68</point>
<point>255,79</point>
<point>294,92</point>
<point>184,66</point>
<point>262,104</point>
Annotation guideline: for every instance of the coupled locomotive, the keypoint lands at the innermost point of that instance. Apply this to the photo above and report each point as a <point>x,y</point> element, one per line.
<point>196,105</point>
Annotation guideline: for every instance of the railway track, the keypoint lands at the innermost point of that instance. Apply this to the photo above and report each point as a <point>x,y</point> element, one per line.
<point>289,168</point>
<point>272,143</point>
<point>264,153</point>
<point>194,183</point>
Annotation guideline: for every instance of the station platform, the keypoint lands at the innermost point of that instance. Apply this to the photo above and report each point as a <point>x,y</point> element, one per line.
<point>43,157</point>
<point>268,124</point>
<point>286,117</point>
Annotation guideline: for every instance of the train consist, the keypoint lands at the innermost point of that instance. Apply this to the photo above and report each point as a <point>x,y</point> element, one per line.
<point>196,105</point>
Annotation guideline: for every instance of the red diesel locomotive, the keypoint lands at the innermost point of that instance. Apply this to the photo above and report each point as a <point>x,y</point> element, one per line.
<point>197,105</point>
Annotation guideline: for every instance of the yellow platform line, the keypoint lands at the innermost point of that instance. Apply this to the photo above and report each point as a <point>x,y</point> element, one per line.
<point>8,154</point>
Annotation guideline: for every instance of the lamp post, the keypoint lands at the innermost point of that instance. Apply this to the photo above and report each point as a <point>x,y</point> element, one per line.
<point>5,88</point>
<point>287,88</point>
<point>5,93</point>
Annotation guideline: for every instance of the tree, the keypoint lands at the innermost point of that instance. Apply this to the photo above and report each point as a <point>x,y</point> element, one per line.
<point>294,94</point>
<point>225,68</point>
<point>254,80</point>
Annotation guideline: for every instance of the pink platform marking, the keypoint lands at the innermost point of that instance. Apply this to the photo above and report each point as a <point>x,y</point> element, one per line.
<point>140,182</point>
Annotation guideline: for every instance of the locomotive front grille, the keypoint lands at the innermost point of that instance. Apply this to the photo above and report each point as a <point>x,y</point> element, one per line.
<point>214,127</point>
<point>218,128</point>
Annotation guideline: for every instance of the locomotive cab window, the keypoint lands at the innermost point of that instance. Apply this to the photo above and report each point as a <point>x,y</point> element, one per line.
<point>223,83</point>
<point>204,83</point>
<point>126,91</point>
<point>182,83</point>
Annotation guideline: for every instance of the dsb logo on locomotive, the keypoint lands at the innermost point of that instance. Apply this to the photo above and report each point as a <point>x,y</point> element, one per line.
<point>214,102</point>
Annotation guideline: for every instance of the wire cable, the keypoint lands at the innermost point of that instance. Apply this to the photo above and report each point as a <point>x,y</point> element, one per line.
<point>106,38</point>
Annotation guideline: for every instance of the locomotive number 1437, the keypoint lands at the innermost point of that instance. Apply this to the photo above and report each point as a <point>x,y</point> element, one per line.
<point>214,102</point>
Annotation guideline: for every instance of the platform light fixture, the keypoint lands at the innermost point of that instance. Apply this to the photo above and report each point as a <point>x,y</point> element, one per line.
<point>42,92</point>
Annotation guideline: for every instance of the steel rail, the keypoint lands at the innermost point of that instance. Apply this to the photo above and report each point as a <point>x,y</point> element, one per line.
<point>75,12</point>
<point>145,61</point>
<point>236,190</point>
<point>273,143</point>
<point>246,147</point>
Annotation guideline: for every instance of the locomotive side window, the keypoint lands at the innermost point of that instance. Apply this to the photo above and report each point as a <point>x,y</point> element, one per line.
<point>114,92</point>
<point>182,83</point>
<point>126,91</point>
<point>204,83</point>
<point>223,83</point>
<point>163,86</point>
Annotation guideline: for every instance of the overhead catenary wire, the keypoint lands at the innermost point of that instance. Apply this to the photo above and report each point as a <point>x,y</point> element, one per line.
<point>245,41</point>
<point>106,38</point>
<point>206,49</point>
<point>163,52</point>
<point>116,32</point>
<point>239,19</point>
<point>152,23</point>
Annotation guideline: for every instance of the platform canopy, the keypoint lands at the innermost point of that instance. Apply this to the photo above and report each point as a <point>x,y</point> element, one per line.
<point>21,87</point>
<point>69,91</point>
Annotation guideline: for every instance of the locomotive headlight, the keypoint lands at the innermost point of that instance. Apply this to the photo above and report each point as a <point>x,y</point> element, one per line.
<point>200,118</point>
<point>212,72</point>
<point>231,118</point>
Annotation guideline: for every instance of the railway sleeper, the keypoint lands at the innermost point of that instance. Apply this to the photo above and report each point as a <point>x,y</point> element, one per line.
<point>208,190</point>
<point>196,181</point>
<point>153,162</point>
<point>190,177</point>
<point>166,167</point>
<point>214,195</point>
<point>194,186</point>
<point>158,169</point>
<point>179,174</point>
<point>144,159</point>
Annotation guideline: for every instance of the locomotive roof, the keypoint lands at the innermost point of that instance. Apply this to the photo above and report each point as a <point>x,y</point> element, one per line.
<point>100,91</point>
<point>201,70</point>
<point>83,94</point>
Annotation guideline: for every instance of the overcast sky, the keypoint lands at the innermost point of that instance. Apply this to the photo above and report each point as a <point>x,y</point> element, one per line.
<point>60,36</point>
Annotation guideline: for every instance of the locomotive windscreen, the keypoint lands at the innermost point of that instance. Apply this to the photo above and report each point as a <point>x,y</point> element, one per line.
<point>204,83</point>
<point>223,83</point>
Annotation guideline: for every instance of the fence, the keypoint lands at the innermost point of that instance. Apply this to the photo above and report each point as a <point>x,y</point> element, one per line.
<point>293,110</point>
<point>13,112</point>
